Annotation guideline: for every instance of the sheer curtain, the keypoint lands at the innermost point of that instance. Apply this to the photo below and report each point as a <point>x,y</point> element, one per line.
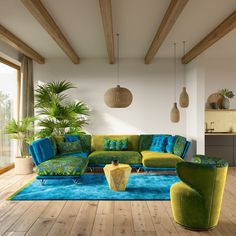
<point>27,87</point>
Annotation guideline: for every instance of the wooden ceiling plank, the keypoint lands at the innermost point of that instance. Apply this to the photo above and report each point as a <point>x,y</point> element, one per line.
<point>219,32</point>
<point>174,10</point>
<point>12,40</point>
<point>106,12</point>
<point>37,9</point>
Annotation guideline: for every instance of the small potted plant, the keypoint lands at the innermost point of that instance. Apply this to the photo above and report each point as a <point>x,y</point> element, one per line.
<point>23,132</point>
<point>227,94</point>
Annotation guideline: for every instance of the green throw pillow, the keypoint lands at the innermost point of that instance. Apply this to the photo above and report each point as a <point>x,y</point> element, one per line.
<point>179,145</point>
<point>115,145</point>
<point>69,147</point>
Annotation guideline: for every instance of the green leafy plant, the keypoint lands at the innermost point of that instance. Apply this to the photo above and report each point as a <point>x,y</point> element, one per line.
<point>23,132</point>
<point>227,93</point>
<point>57,114</point>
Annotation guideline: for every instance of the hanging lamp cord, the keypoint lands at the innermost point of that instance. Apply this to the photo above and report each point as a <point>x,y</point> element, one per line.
<point>184,42</point>
<point>175,67</point>
<point>118,57</point>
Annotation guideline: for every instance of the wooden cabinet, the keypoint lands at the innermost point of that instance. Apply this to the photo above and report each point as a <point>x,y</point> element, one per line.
<point>222,146</point>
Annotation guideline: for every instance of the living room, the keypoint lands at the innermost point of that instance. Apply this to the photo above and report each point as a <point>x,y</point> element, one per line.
<point>149,157</point>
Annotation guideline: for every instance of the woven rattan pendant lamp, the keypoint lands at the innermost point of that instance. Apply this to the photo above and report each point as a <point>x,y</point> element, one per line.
<point>174,114</point>
<point>184,98</point>
<point>118,97</point>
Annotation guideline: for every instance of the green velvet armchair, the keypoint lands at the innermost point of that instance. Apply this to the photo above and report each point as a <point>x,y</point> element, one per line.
<point>196,201</point>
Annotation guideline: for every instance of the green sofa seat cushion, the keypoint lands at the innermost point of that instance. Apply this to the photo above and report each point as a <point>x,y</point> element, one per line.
<point>63,166</point>
<point>105,157</point>
<point>160,159</point>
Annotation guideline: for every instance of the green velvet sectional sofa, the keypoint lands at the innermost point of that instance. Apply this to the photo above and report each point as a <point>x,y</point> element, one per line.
<point>52,161</point>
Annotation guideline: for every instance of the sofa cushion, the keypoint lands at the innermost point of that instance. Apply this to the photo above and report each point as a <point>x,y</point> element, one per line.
<point>179,146</point>
<point>63,166</point>
<point>69,147</point>
<point>115,145</point>
<point>97,141</point>
<point>43,149</point>
<point>106,157</point>
<point>145,141</point>
<point>158,143</point>
<point>160,159</point>
<point>170,142</point>
<point>71,138</point>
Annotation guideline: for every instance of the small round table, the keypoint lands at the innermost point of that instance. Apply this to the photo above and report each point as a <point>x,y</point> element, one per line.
<point>117,176</point>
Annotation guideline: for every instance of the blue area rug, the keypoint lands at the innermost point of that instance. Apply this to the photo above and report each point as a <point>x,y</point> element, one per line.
<point>95,187</point>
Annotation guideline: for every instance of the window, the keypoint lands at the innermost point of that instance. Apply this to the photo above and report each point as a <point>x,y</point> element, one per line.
<point>9,108</point>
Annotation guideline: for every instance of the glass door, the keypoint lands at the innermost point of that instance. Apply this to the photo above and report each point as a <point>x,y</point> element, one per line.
<point>8,110</point>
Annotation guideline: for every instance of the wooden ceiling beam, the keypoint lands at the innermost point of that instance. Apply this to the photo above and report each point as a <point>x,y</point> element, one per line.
<point>12,40</point>
<point>106,12</point>
<point>219,32</point>
<point>174,10</point>
<point>37,9</point>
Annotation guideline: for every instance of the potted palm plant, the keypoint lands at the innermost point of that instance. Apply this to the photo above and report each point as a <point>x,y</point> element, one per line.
<point>227,94</point>
<point>57,114</point>
<point>23,132</point>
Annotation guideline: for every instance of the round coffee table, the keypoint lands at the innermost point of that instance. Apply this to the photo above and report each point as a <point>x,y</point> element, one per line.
<point>117,176</point>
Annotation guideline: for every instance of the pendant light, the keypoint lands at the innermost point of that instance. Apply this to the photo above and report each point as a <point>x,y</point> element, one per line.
<point>184,98</point>
<point>118,97</point>
<point>174,114</point>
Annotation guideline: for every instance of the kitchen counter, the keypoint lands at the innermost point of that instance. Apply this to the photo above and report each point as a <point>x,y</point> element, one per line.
<point>220,133</point>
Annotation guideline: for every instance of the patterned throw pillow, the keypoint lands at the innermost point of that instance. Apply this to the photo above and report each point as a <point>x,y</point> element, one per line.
<point>170,144</point>
<point>158,143</point>
<point>71,138</point>
<point>115,145</point>
<point>69,147</point>
<point>179,146</point>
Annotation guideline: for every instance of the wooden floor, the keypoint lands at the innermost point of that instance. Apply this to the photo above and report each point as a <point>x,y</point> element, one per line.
<point>120,218</point>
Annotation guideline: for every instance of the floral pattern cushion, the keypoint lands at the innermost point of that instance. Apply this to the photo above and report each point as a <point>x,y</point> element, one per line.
<point>63,166</point>
<point>115,144</point>
<point>179,146</point>
<point>69,147</point>
<point>218,162</point>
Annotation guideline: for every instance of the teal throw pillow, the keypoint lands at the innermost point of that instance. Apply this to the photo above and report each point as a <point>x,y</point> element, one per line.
<point>115,145</point>
<point>170,142</point>
<point>158,143</point>
<point>179,146</point>
<point>69,147</point>
<point>71,138</point>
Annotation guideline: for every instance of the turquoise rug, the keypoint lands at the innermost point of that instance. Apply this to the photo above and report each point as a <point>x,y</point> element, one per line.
<point>95,187</point>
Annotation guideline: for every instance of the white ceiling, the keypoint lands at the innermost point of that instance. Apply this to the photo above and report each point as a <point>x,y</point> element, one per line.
<point>136,21</point>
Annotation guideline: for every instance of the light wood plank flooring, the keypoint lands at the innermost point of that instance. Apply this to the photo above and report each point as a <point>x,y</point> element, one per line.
<point>100,218</point>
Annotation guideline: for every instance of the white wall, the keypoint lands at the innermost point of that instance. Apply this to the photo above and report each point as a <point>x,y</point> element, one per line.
<point>152,87</point>
<point>220,73</point>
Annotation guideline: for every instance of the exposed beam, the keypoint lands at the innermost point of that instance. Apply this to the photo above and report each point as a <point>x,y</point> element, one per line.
<point>220,31</point>
<point>106,12</point>
<point>170,17</point>
<point>9,38</point>
<point>41,14</point>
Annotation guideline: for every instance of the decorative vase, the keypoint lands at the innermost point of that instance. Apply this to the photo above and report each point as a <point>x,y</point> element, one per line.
<point>115,162</point>
<point>174,114</point>
<point>184,99</point>
<point>225,103</point>
<point>23,166</point>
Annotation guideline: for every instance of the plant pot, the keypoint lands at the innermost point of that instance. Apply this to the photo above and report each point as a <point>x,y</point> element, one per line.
<point>225,103</point>
<point>23,166</point>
